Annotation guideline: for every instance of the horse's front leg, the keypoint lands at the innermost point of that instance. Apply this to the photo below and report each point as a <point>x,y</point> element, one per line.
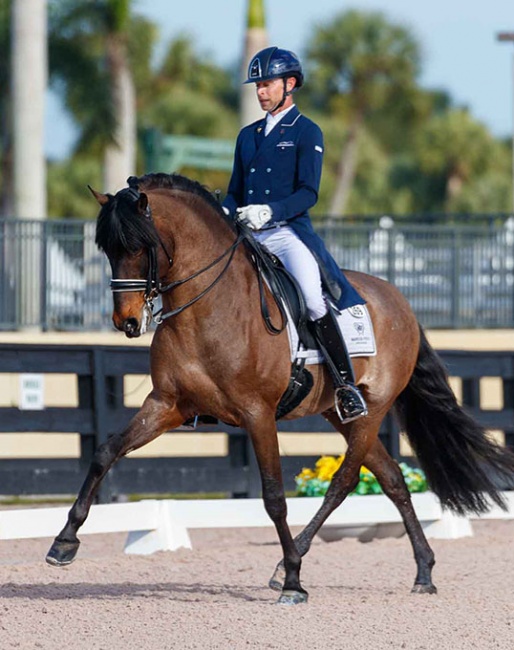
<point>154,417</point>
<point>263,432</point>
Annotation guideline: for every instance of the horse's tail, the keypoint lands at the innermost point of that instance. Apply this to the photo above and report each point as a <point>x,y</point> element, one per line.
<point>463,466</point>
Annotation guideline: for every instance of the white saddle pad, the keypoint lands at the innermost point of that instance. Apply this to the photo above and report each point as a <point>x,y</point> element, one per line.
<point>357,331</point>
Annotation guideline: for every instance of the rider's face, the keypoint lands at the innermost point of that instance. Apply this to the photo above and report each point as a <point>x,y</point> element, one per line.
<point>270,93</point>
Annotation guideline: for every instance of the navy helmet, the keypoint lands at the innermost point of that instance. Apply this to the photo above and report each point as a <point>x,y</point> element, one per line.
<point>275,63</point>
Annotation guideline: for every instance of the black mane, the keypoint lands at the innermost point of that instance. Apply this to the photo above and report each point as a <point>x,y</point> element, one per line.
<point>175,182</point>
<point>121,228</point>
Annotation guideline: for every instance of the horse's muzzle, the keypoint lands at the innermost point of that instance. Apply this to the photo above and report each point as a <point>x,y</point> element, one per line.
<point>131,328</point>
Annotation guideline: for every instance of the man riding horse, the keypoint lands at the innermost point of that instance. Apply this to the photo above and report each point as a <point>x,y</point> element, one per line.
<point>274,183</point>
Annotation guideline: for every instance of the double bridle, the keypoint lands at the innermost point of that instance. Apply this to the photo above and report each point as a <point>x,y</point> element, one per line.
<point>153,286</point>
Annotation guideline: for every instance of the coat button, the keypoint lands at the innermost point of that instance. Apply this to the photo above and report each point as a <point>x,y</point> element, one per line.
<point>252,170</point>
<point>250,191</point>
<point>266,191</point>
<point>268,170</point>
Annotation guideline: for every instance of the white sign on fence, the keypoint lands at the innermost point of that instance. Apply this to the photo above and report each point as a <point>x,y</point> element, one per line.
<point>32,392</point>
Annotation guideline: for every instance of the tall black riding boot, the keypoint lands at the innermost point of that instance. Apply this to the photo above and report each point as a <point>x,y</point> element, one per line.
<point>349,402</point>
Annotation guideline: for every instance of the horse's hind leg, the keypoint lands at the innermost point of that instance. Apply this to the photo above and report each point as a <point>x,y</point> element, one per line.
<point>390,477</point>
<point>361,436</point>
<point>154,417</point>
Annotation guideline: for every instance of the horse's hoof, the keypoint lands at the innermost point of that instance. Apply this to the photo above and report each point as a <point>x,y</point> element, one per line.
<point>277,579</point>
<point>290,597</point>
<point>424,589</point>
<point>62,553</point>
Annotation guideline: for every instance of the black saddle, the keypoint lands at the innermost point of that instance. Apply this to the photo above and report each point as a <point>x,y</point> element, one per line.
<point>285,289</point>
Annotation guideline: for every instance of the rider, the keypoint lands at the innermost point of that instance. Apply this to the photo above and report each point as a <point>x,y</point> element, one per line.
<point>275,180</point>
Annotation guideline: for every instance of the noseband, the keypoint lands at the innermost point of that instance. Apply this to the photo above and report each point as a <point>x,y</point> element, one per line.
<point>153,287</point>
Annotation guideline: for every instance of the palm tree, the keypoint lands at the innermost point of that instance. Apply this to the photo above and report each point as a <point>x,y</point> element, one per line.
<point>89,42</point>
<point>360,63</point>
<point>6,194</point>
<point>256,39</point>
<point>29,53</point>
<point>443,149</point>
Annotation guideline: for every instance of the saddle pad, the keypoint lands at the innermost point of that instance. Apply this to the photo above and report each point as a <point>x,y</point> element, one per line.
<point>356,328</point>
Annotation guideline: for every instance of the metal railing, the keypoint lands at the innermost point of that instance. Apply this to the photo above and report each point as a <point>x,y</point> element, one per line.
<point>52,275</point>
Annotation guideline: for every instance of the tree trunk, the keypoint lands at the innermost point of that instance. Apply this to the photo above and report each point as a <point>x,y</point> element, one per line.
<point>256,39</point>
<point>120,156</point>
<point>29,82</point>
<point>454,187</point>
<point>345,171</point>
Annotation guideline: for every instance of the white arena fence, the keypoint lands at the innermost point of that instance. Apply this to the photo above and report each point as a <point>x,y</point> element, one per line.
<point>163,525</point>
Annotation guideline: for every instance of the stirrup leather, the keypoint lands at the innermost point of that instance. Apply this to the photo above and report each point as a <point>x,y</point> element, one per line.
<point>349,403</point>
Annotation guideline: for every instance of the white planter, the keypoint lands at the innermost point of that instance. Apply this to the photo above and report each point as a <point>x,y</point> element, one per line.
<point>373,517</point>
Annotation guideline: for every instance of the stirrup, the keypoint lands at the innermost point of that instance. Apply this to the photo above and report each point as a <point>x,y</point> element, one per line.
<point>349,403</point>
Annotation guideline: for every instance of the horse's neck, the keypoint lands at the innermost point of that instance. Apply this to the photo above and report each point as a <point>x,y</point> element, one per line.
<point>200,237</point>
<point>200,234</point>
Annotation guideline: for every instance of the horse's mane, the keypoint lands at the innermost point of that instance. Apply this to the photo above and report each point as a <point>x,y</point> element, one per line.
<point>174,182</point>
<point>121,228</point>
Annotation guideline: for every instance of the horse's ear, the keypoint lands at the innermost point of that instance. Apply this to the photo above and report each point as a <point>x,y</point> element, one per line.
<point>101,198</point>
<point>142,204</point>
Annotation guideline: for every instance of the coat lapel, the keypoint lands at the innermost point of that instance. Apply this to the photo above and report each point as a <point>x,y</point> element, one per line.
<point>279,132</point>
<point>259,133</point>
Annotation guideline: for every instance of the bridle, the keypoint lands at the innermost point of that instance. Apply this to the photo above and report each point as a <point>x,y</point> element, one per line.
<point>153,287</point>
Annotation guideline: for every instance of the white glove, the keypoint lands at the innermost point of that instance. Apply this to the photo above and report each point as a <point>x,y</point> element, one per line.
<point>255,216</point>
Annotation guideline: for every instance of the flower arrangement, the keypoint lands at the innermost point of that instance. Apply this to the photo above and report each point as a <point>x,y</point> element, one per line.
<point>314,483</point>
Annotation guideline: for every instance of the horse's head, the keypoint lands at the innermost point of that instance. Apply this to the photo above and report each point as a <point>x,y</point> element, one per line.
<point>125,231</point>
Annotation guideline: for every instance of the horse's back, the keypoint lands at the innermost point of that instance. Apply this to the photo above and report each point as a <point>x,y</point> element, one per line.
<point>385,301</point>
<point>395,325</point>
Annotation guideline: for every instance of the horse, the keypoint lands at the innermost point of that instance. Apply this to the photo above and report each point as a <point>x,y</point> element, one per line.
<point>212,354</point>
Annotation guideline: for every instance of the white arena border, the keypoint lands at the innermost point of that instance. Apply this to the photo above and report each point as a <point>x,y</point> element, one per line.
<point>163,525</point>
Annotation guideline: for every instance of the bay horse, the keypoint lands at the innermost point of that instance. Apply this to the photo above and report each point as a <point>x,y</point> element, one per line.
<point>212,355</point>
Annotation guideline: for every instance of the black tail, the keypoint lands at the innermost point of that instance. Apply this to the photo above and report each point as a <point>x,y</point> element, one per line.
<point>461,463</point>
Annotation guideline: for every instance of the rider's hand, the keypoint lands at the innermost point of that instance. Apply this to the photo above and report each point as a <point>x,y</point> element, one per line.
<point>255,216</point>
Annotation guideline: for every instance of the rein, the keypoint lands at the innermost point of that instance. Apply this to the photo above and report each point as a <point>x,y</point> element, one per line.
<point>153,287</point>
<point>158,316</point>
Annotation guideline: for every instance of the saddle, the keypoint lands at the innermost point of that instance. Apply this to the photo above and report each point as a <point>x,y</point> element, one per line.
<point>285,291</point>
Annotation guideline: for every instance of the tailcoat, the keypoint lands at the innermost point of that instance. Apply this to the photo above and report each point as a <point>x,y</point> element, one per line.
<point>283,170</point>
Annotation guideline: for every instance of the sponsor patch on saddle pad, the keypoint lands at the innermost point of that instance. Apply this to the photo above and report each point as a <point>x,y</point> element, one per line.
<point>356,328</point>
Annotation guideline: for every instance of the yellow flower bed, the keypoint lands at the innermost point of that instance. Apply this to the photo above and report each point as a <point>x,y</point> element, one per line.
<point>314,483</point>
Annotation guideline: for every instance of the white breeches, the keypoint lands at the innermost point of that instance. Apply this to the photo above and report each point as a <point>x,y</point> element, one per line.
<point>300,262</point>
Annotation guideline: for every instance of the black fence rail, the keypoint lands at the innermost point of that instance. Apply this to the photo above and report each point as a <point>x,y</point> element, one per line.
<point>101,412</point>
<point>52,275</point>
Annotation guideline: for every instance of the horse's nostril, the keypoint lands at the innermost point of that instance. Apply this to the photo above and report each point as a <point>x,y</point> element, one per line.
<point>130,325</point>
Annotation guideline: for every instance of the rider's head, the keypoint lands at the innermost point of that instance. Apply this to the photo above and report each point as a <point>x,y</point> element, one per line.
<point>273,64</point>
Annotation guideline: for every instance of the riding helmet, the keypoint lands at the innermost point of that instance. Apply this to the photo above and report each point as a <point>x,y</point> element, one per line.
<point>275,63</point>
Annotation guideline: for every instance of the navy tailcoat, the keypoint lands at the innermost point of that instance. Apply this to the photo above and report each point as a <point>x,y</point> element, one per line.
<point>283,170</point>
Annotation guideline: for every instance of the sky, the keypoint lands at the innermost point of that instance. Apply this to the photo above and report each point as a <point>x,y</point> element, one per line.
<point>458,39</point>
